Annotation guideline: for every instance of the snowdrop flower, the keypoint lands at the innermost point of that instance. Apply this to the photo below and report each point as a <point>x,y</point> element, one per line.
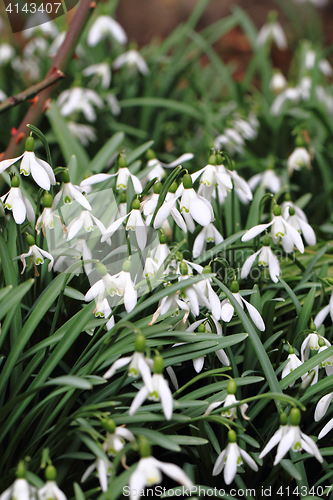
<point>312,342</point>
<point>292,363</point>
<point>277,436</point>
<point>36,47</point>
<point>123,175</point>
<point>133,59</point>
<point>7,53</point>
<point>194,206</point>
<point>198,363</point>
<point>322,406</point>
<point>162,251</point>
<point>101,70</point>
<point>266,257</point>
<point>169,207</point>
<point>85,220</point>
<point>269,179</point>
<point>214,176</point>
<point>301,226</point>
<point>36,255</point>
<point>50,490</point>
<point>204,289</point>
<point>228,401</point>
<point>85,133</point>
<point>16,201</point>
<point>231,140</point>
<point>278,82</point>
<point>136,223</point>
<point>40,22</point>
<point>227,309</point>
<point>160,392</point>
<point>71,192</point>
<point>20,489</point>
<point>84,253</point>
<point>3,97</point>
<point>328,362</point>
<point>173,303</point>
<point>157,168</point>
<point>151,268</point>
<point>285,209</point>
<point>208,234</point>
<point>46,219</point>
<point>56,44</point>
<point>290,94</point>
<point>115,437</point>
<point>296,440</point>
<point>102,28</point>
<point>120,284</point>
<point>272,31</point>
<point>323,64</point>
<point>79,99</point>
<point>280,229</point>
<point>149,472</point>
<point>231,458</point>
<point>321,316</point>
<point>298,159</point>
<point>138,364</point>
<point>40,170</point>
<point>104,470</point>
<point>113,104</point>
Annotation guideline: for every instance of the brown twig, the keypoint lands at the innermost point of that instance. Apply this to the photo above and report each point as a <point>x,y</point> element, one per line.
<point>14,100</point>
<point>60,61</point>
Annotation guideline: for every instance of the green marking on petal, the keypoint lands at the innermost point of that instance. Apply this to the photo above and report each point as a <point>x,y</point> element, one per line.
<point>39,261</point>
<point>133,372</point>
<point>67,200</point>
<point>24,172</point>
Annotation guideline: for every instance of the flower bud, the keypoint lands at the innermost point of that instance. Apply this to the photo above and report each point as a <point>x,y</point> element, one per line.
<point>183,268</point>
<point>295,416</point>
<point>266,241</point>
<point>232,437</point>
<point>187,181</point>
<point>65,177</point>
<point>101,269</point>
<point>231,387</point>
<point>47,200</point>
<point>136,204</point>
<point>312,326</point>
<point>219,159</point>
<point>206,270</point>
<point>212,160</point>
<point>50,473</point>
<point>157,187</point>
<point>29,144</point>
<point>276,210</point>
<point>158,364</point>
<point>150,154</point>
<point>127,266</point>
<point>144,446</point>
<point>21,470</point>
<point>202,328</point>
<point>30,240</point>
<point>234,287</point>
<point>162,239</point>
<point>15,182</point>
<point>122,162</point>
<point>109,425</point>
<point>140,343</point>
<point>291,211</point>
<point>173,188</point>
<point>283,418</point>
<point>122,198</point>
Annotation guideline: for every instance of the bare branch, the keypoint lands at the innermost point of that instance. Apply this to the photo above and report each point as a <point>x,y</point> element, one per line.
<point>14,100</point>
<point>60,61</point>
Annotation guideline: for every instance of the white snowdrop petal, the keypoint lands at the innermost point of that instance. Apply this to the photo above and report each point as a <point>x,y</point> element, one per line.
<point>284,446</point>
<point>230,468</point>
<point>248,264</point>
<point>248,459</point>
<point>227,311</point>
<point>275,439</point>
<point>219,464</point>
<point>165,397</point>
<point>308,232</point>
<point>120,363</point>
<point>326,429</point>
<point>7,163</point>
<point>254,231</point>
<point>138,401</point>
<point>255,315</point>
<point>198,363</point>
<point>200,212</point>
<point>173,471</point>
<point>322,406</point>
